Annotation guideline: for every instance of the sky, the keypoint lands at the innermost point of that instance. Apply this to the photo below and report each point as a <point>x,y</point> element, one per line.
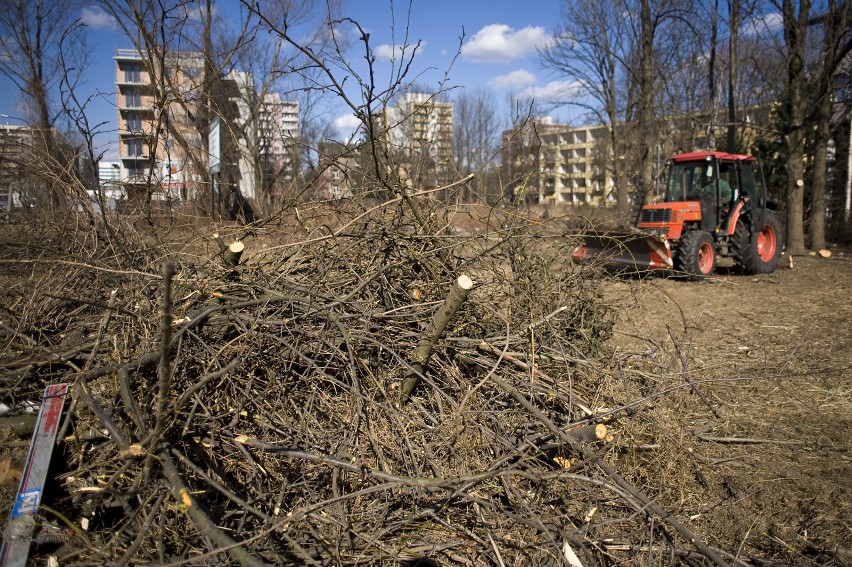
<point>479,44</point>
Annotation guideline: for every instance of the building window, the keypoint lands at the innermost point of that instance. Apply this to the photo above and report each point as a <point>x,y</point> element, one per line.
<point>134,147</point>
<point>132,99</point>
<point>134,170</point>
<point>134,123</point>
<point>133,73</point>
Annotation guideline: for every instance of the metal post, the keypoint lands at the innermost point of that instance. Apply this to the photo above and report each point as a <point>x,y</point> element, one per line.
<point>17,536</point>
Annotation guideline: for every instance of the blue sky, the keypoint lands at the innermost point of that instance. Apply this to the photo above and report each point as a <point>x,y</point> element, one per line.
<point>498,52</point>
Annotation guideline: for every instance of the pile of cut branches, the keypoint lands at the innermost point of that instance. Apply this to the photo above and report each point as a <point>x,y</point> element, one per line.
<point>327,392</point>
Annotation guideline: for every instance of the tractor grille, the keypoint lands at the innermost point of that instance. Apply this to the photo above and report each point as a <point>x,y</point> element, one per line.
<point>656,215</point>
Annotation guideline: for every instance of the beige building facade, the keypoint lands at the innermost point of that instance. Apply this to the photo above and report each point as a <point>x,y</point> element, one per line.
<point>550,163</point>
<point>161,148</point>
<point>420,133</point>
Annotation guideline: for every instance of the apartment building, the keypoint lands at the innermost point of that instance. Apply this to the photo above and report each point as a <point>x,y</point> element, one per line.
<point>160,145</point>
<point>278,124</point>
<point>338,169</point>
<point>420,132</point>
<point>135,107</point>
<point>552,163</point>
<point>278,142</point>
<point>16,143</point>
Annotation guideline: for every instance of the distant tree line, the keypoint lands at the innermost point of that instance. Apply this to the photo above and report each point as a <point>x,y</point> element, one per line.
<point>752,76</point>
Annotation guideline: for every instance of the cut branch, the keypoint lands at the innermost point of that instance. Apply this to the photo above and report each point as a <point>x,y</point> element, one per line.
<point>458,294</point>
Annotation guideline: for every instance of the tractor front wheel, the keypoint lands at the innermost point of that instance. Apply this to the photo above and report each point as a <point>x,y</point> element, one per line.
<point>758,253</point>
<point>696,255</point>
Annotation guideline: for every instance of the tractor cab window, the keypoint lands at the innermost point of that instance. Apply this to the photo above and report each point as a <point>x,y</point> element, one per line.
<point>728,185</point>
<point>687,179</point>
<point>752,181</point>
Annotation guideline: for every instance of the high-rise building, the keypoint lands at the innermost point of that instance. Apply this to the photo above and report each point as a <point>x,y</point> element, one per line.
<point>160,142</point>
<point>147,152</point>
<point>278,142</point>
<point>135,104</point>
<point>278,122</point>
<point>420,133</point>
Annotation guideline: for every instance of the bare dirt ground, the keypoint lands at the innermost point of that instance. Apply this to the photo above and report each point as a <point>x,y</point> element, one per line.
<point>746,430</point>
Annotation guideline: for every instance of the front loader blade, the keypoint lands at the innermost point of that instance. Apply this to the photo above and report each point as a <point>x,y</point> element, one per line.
<point>634,252</point>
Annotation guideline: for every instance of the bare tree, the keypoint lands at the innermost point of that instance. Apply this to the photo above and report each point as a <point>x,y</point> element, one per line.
<point>645,115</point>
<point>733,65</point>
<point>31,33</point>
<point>795,16</point>
<point>477,133</point>
<point>836,46</point>
<point>622,57</point>
<point>590,50</point>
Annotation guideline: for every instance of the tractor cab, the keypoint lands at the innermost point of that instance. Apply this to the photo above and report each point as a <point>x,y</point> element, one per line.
<point>711,183</point>
<point>717,181</point>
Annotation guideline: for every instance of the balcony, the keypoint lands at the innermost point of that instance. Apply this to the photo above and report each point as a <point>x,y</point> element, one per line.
<point>136,179</point>
<point>133,132</point>
<point>125,82</point>
<point>125,106</point>
<point>128,54</point>
<point>135,158</point>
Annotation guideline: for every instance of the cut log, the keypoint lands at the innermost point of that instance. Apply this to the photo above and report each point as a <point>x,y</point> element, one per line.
<point>458,294</point>
<point>20,425</point>
<point>232,254</point>
<point>589,433</point>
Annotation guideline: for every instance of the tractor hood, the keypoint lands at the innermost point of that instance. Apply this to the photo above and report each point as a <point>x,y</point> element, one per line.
<point>668,218</point>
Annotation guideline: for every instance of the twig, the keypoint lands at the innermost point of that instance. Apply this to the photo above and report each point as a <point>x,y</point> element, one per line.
<point>590,455</point>
<point>164,368</point>
<point>117,436</point>
<point>187,503</point>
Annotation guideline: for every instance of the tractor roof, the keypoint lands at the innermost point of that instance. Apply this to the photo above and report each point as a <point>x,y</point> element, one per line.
<point>722,156</point>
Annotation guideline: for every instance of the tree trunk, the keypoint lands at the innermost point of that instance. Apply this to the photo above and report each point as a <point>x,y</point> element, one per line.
<point>817,225</point>
<point>711,74</point>
<point>734,13</point>
<point>795,30</point>
<point>835,25</point>
<point>646,102</point>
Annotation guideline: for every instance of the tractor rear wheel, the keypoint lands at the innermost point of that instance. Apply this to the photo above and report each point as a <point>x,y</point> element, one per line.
<point>696,255</point>
<point>758,253</point>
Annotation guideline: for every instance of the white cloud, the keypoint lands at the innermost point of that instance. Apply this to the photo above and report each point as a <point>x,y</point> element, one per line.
<point>772,22</point>
<point>515,80</point>
<point>95,17</point>
<point>347,123</point>
<point>395,52</point>
<point>499,43</point>
<point>552,92</point>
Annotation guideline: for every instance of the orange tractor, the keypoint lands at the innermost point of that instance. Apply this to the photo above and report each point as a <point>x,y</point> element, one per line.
<point>715,206</point>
